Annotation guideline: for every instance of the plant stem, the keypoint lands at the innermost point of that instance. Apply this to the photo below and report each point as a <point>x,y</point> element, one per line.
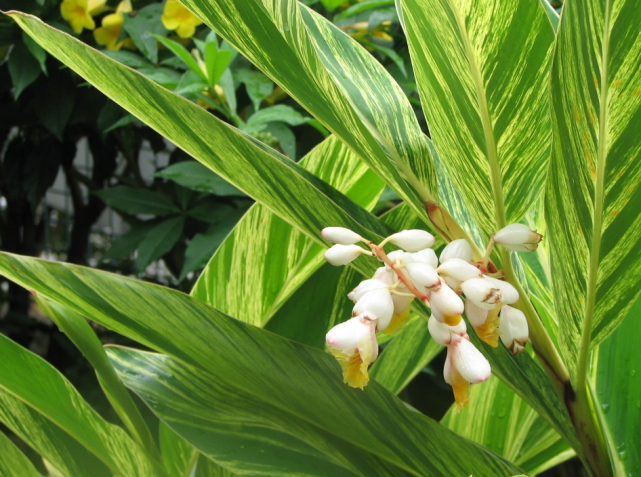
<point>378,252</point>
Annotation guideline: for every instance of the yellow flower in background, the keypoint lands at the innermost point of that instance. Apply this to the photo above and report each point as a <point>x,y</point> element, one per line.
<point>79,13</point>
<point>109,32</point>
<point>177,17</point>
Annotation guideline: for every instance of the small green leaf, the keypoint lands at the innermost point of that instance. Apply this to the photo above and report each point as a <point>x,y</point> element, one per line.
<point>160,240</point>
<point>279,113</point>
<point>258,85</point>
<point>23,68</point>
<point>194,175</point>
<point>182,53</point>
<point>37,51</point>
<point>132,200</point>
<point>129,58</point>
<point>141,29</point>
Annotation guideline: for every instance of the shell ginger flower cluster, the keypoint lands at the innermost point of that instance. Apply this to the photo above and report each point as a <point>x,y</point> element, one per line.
<point>382,303</point>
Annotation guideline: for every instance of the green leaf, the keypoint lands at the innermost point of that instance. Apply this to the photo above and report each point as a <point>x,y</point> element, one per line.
<point>258,85</point>
<point>179,457</point>
<point>23,68</point>
<point>195,176</point>
<point>84,337</point>
<point>182,53</point>
<point>128,58</point>
<point>26,375</point>
<point>160,240</point>
<point>141,28</point>
<point>483,84</point>
<point>37,51</point>
<point>13,461</point>
<point>127,243</point>
<point>282,185</point>
<point>216,62</point>
<point>281,437</point>
<point>279,113</point>
<point>617,378</point>
<point>331,5</point>
<point>499,420</point>
<point>280,257</point>
<point>132,200</point>
<point>294,383</point>
<point>593,197</point>
<point>61,451</point>
<point>351,92</point>
<point>56,99</point>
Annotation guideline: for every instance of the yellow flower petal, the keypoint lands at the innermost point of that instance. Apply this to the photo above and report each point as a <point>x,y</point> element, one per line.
<point>460,387</point>
<point>354,368</point>
<point>124,6</point>
<point>176,17</point>
<point>398,321</point>
<point>186,30</point>
<point>76,13</point>
<point>489,331</point>
<point>95,6</point>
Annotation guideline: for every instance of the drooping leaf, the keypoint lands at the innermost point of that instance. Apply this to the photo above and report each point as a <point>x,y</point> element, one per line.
<point>482,72</point>
<point>160,240</point>
<point>61,451</point>
<point>281,184</point>
<point>593,198</point>
<point>301,382</point>
<point>23,68</point>
<point>26,375</point>
<point>13,461</point>
<point>276,438</point>
<point>132,200</point>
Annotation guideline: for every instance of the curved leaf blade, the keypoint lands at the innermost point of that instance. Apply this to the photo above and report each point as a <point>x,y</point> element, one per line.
<point>26,375</point>
<point>287,189</point>
<point>293,377</point>
<point>13,461</point>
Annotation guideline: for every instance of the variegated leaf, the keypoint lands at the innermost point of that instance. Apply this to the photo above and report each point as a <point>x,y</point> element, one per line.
<point>481,68</point>
<point>593,193</point>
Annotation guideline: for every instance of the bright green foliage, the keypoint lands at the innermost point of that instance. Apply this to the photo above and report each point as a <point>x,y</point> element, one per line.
<point>256,403</point>
<point>592,196</point>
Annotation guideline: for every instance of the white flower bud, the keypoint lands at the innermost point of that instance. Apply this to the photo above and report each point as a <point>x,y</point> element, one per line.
<point>458,269</point>
<point>377,304</point>
<point>340,235</point>
<point>413,240</point>
<point>509,295</point>
<point>457,249</point>
<point>426,255</point>
<point>442,333</point>
<point>352,335</point>
<point>364,287</point>
<point>400,257</point>
<point>386,275</point>
<point>514,329</point>
<point>518,237</point>
<point>482,292</point>
<point>475,314</point>
<point>468,360</point>
<point>446,305</point>
<point>422,274</point>
<point>342,254</point>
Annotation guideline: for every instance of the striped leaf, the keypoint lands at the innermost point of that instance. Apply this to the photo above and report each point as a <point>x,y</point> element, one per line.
<point>84,337</point>
<point>336,80</point>
<point>268,259</point>
<point>63,454</point>
<point>281,439</point>
<point>26,375</point>
<point>593,199</point>
<point>13,461</point>
<point>282,185</point>
<point>499,420</point>
<point>616,377</point>
<point>481,69</point>
<point>295,380</point>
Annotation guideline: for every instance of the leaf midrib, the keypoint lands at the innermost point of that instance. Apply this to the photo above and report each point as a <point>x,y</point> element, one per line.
<point>597,229</point>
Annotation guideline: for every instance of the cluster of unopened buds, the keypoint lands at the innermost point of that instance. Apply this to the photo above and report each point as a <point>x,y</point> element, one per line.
<point>382,303</point>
